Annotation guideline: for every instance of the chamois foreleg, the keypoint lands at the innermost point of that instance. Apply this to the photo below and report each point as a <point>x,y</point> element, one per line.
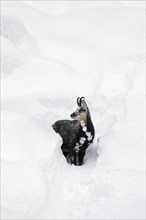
<point>79,158</point>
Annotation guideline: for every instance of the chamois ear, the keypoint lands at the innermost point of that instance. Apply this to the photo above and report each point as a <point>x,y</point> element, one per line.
<point>82,100</point>
<point>83,103</point>
<point>79,101</point>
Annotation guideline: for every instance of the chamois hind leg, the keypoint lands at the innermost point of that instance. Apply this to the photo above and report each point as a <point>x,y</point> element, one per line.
<point>64,150</point>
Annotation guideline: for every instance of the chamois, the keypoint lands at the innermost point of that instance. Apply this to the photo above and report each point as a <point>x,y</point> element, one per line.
<point>77,134</point>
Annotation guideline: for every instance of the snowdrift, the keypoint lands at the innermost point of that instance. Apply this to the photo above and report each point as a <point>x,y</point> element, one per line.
<point>51,54</point>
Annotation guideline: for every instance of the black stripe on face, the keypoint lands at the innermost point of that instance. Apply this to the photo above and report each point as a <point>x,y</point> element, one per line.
<point>82,110</point>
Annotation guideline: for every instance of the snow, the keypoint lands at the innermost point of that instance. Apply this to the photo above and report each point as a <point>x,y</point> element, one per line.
<point>34,135</point>
<point>84,128</point>
<point>20,193</point>
<point>52,53</point>
<point>82,140</point>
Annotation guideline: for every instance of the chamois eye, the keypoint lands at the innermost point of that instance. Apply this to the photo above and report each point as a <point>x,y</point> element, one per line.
<point>81,110</point>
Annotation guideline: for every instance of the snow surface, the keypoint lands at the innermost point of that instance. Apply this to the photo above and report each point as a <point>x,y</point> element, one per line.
<point>52,53</point>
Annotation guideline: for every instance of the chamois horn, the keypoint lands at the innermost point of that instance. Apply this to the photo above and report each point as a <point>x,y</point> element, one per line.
<point>79,101</point>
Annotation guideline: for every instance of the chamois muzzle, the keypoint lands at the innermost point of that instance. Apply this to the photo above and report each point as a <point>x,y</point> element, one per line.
<point>73,115</point>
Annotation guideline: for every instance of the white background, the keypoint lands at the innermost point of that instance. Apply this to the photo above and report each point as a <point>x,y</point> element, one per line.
<point>53,52</point>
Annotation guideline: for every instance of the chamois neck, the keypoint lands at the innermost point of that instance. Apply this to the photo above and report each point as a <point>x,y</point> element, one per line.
<point>86,120</point>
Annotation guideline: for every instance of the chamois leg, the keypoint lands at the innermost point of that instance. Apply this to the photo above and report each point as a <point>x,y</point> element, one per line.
<point>64,150</point>
<point>79,158</point>
<point>68,155</point>
<point>71,157</point>
<point>76,158</point>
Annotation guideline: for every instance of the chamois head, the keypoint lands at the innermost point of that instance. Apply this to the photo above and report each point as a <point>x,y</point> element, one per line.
<point>82,111</point>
